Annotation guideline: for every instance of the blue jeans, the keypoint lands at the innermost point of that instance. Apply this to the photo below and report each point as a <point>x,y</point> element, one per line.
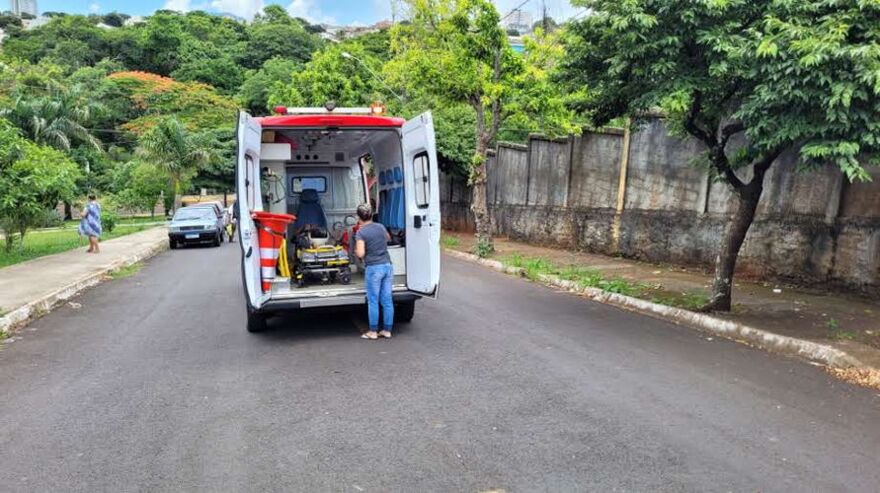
<point>379,280</point>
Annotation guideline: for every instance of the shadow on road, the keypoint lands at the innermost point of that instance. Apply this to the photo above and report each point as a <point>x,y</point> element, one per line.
<point>314,324</point>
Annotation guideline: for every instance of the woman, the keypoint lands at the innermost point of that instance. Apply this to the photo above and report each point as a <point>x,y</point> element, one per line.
<point>90,224</point>
<point>371,245</point>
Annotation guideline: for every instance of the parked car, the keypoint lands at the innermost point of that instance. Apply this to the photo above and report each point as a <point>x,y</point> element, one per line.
<point>214,205</point>
<point>195,225</point>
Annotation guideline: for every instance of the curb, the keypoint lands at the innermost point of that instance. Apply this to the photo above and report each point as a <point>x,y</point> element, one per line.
<point>813,351</point>
<point>39,307</point>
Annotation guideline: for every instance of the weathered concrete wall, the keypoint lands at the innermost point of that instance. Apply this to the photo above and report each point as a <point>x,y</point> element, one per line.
<point>812,227</point>
<point>548,172</point>
<point>511,173</point>
<point>595,168</point>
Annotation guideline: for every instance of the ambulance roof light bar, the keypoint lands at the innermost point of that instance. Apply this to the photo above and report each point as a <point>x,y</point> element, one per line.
<point>330,108</point>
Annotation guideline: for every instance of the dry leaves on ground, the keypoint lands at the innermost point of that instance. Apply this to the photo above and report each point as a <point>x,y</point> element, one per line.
<point>864,377</point>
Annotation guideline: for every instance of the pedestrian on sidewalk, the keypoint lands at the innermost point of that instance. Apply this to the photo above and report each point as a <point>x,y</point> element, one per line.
<point>90,224</point>
<point>371,245</point>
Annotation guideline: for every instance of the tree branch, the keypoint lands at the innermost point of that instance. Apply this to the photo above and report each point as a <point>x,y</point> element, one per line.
<point>691,125</point>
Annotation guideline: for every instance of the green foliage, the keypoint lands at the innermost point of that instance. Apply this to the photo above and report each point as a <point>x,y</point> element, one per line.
<point>449,241</point>
<point>176,151</point>
<point>786,74</point>
<point>331,76</point>
<point>483,248</point>
<point>275,75</point>
<point>33,178</point>
<point>276,35</point>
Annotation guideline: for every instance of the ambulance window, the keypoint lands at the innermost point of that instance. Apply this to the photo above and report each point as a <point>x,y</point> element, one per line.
<point>249,181</point>
<point>421,180</point>
<point>300,183</point>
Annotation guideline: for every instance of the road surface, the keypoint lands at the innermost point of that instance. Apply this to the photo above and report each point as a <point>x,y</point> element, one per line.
<point>153,384</point>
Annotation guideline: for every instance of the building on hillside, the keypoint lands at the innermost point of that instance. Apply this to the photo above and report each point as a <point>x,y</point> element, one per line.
<point>19,7</point>
<point>135,19</point>
<point>518,20</point>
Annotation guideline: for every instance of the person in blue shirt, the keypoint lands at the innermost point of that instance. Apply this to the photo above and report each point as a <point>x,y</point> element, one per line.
<point>90,224</point>
<point>371,245</point>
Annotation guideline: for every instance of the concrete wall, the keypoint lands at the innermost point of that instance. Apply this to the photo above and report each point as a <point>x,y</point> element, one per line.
<point>812,227</point>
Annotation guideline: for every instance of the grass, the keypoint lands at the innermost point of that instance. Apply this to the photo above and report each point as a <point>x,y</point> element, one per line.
<point>449,241</point>
<point>3,335</point>
<point>127,271</point>
<point>534,267</point>
<point>50,242</point>
<point>692,300</point>
<point>74,223</point>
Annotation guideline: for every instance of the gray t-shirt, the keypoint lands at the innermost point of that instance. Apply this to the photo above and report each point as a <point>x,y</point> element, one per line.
<point>375,244</point>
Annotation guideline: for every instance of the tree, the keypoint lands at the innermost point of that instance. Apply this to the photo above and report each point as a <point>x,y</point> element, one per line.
<point>275,34</point>
<point>332,76</point>
<point>33,178</point>
<point>176,151</point>
<point>144,184</point>
<point>59,118</point>
<point>457,51</point>
<point>274,75</point>
<point>204,62</point>
<point>748,79</point>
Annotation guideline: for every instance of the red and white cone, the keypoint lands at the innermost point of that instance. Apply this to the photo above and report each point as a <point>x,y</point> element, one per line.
<point>271,228</point>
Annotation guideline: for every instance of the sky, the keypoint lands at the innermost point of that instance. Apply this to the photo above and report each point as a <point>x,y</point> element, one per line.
<point>342,12</point>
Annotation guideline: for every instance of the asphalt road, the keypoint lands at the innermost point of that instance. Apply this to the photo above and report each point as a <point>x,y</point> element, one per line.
<point>154,384</point>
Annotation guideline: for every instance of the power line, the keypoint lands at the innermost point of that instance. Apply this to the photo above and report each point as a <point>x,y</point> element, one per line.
<point>515,9</point>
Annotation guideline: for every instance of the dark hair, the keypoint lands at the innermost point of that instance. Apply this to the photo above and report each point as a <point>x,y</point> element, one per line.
<point>365,212</point>
<point>92,196</point>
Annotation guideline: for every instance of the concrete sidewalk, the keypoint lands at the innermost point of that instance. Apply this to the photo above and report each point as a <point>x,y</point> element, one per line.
<point>848,323</point>
<point>30,289</point>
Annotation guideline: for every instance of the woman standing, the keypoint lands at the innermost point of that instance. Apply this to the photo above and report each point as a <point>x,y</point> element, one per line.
<point>90,224</point>
<point>371,244</point>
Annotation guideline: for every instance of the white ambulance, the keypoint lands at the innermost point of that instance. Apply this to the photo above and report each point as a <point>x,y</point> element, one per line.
<point>331,160</point>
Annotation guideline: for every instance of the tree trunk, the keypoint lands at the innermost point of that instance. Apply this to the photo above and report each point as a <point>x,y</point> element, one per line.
<point>734,235</point>
<point>479,199</point>
<point>175,185</point>
<point>68,211</point>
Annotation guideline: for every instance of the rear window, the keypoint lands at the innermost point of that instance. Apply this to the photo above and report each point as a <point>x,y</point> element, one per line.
<point>194,213</point>
<point>300,183</point>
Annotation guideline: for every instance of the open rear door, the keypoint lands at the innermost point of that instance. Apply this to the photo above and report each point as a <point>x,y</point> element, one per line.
<point>249,199</point>
<point>422,191</point>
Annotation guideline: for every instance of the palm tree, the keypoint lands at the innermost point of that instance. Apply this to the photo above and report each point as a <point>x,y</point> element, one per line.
<point>58,118</point>
<point>175,150</point>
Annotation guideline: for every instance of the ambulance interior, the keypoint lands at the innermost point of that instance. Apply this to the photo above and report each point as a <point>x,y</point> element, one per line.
<point>321,176</point>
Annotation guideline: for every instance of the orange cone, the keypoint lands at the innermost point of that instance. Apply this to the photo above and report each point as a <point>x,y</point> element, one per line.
<point>271,229</point>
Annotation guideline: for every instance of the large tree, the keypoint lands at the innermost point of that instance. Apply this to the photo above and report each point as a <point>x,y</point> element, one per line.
<point>33,178</point>
<point>457,51</point>
<point>749,79</point>
<point>176,151</point>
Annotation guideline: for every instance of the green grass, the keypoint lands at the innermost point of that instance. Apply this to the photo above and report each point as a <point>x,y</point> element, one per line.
<point>127,271</point>
<point>692,300</point>
<point>3,335</point>
<point>49,242</point>
<point>74,223</point>
<point>450,241</point>
<point>534,267</point>
<point>843,335</point>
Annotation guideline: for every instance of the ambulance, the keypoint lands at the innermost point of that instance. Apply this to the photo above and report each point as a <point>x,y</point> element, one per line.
<point>318,164</point>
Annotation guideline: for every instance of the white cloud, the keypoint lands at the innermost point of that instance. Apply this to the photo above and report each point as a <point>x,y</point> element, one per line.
<point>94,7</point>
<point>178,5</point>
<point>241,8</point>
<point>309,11</point>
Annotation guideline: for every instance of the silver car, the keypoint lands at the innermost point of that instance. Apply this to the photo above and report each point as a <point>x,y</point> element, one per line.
<point>195,225</point>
